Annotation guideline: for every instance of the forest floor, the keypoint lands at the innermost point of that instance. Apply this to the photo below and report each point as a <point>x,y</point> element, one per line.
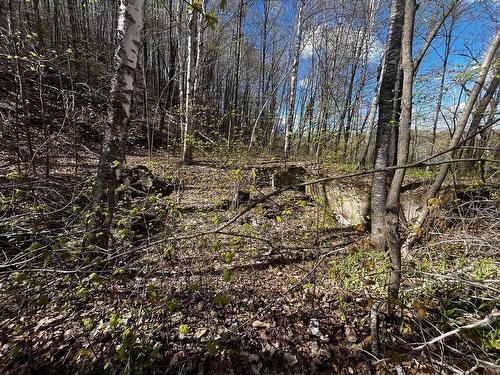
<point>283,289</point>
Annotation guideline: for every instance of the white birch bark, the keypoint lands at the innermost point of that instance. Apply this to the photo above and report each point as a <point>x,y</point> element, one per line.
<point>293,81</point>
<point>187,150</point>
<point>130,23</point>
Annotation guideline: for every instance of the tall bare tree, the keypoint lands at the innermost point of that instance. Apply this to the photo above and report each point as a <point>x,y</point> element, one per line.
<point>456,138</point>
<point>293,80</point>
<point>130,23</point>
<point>385,122</point>
<point>446,56</point>
<point>187,150</point>
<point>392,206</point>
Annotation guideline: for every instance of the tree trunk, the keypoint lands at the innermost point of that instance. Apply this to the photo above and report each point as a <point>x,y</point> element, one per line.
<point>486,130</point>
<point>57,38</point>
<point>447,50</point>
<point>480,112</point>
<point>180,69</point>
<point>431,35</point>
<point>235,111</point>
<point>187,151</point>
<point>130,22</point>
<point>74,36</point>
<point>172,58</point>
<point>39,28</point>
<point>386,100</point>
<point>455,140</point>
<point>262,79</point>
<point>396,113</point>
<point>293,81</point>
<point>393,197</point>
<point>370,122</point>
<point>199,47</point>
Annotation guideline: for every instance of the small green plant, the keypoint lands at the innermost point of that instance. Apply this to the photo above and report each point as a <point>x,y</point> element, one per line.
<point>227,275</point>
<point>490,338</point>
<point>119,273</point>
<point>216,245</point>
<point>135,211</point>
<point>302,203</point>
<point>153,164</point>
<point>221,300</point>
<point>116,164</point>
<point>127,334</point>
<point>420,173</point>
<point>43,299</point>
<point>87,324</point>
<point>122,188</point>
<point>183,329</point>
<point>18,277</point>
<point>114,320</point>
<point>360,269</point>
<point>123,233</point>
<point>202,243</point>
<point>229,257</point>
<point>169,250</point>
<point>13,176</point>
<point>476,185</point>
<point>443,265</point>
<point>307,285</point>
<point>211,347</point>
<point>483,268</point>
<point>94,277</point>
<point>247,227</point>
<point>81,292</point>
<point>236,175</point>
<point>152,289</point>
<point>342,307</point>
<point>193,287</point>
<point>35,246</point>
<point>172,305</point>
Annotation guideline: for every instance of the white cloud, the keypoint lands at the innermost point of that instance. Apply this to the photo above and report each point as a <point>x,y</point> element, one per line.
<point>315,39</point>
<point>311,41</point>
<point>375,50</point>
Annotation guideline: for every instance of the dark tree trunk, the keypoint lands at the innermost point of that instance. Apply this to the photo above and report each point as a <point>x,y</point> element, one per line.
<point>384,127</point>
<point>393,198</point>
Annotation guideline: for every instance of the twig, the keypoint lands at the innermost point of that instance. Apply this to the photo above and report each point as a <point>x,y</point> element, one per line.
<point>312,182</point>
<point>481,323</point>
<point>374,329</point>
<point>292,287</point>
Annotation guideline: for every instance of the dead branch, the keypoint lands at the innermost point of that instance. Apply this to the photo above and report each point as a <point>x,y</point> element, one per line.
<point>481,323</point>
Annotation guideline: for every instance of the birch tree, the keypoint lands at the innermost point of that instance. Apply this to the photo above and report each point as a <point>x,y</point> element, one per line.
<point>293,80</point>
<point>130,23</point>
<point>187,150</point>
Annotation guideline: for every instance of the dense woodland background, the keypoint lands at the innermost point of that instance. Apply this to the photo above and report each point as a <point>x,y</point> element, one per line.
<point>249,186</point>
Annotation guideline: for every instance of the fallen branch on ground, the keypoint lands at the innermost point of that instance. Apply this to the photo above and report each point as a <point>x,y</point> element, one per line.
<point>481,323</point>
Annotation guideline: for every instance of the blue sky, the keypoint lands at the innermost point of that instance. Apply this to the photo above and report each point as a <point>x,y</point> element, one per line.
<point>471,35</point>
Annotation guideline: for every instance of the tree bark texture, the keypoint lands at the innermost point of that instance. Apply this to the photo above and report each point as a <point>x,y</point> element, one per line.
<point>385,123</point>
<point>130,23</point>
<point>293,81</point>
